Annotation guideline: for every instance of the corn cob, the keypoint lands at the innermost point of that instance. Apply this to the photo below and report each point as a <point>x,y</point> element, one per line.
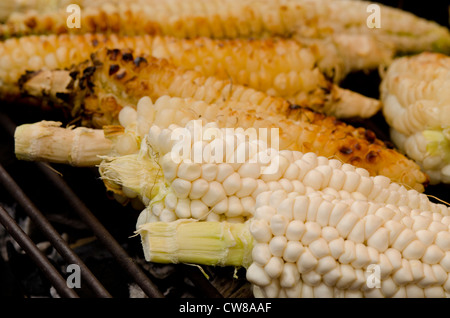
<point>309,227</point>
<point>279,67</point>
<point>239,18</point>
<point>303,129</point>
<point>415,99</point>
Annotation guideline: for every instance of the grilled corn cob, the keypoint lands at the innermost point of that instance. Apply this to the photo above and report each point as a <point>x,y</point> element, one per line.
<point>279,67</point>
<point>415,94</point>
<point>239,18</point>
<point>94,89</point>
<point>309,227</point>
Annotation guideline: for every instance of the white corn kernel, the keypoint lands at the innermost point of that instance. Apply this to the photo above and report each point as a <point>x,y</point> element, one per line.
<point>209,171</point>
<point>232,183</point>
<point>311,278</point>
<point>214,195</point>
<point>261,254</point>
<point>278,224</point>
<point>181,188</point>
<point>319,248</point>
<point>235,207</point>
<point>248,185</point>
<point>198,209</point>
<point>325,265</point>
<point>183,209</point>
<point>198,188</point>
<point>256,274</point>
<point>289,276</point>
<point>293,251</point>
<point>379,240</point>
<point>260,231</point>
<point>346,224</point>
<point>300,208</point>
<point>277,245</point>
<point>414,250</point>
<point>337,247</point>
<point>312,233</point>
<point>295,230</point>
<point>433,255</point>
<point>306,262</point>
<point>274,267</point>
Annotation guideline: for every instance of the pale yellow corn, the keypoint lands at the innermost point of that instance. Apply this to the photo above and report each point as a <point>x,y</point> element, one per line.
<point>415,92</point>
<point>280,67</point>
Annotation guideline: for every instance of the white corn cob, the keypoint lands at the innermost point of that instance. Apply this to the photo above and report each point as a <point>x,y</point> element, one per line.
<point>415,93</point>
<point>316,228</point>
<point>228,190</point>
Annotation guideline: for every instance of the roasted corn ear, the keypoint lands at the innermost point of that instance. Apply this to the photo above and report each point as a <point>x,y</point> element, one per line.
<point>300,129</point>
<point>311,19</point>
<point>415,92</point>
<point>279,67</point>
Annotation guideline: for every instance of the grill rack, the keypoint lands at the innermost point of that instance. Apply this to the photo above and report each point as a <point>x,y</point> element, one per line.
<point>203,284</point>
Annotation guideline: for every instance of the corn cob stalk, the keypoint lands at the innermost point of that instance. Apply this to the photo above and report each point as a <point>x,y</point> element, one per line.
<point>309,227</point>
<point>76,146</point>
<point>415,99</point>
<point>240,18</point>
<point>279,67</point>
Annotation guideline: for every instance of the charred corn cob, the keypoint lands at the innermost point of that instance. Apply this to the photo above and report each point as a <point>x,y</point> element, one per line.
<point>310,227</point>
<point>279,67</point>
<point>415,94</point>
<point>239,18</point>
<point>92,87</point>
<point>95,90</point>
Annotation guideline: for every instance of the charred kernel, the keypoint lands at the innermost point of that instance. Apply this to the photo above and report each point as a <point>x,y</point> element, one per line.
<point>94,42</point>
<point>346,150</point>
<point>74,74</point>
<point>370,136</point>
<point>139,60</point>
<point>371,156</point>
<point>113,54</point>
<point>358,146</point>
<point>294,106</point>
<point>88,71</point>
<point>355,160</point>
<point>127,57</point>
<point>113,69</point>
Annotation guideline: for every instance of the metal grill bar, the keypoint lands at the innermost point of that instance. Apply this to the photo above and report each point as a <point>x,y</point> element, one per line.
<point>38,257</point>
<point>52,235</point>
<point>102,233</point>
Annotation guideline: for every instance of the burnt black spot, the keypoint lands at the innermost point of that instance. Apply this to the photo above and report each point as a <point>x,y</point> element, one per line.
<point>88,71</point>
<point>113,69</point>
<point>63,96</point>
<point>74,74</point>
<point>113,53</point>
<point>357,146</point>
<point>139,60</point>
<point>371,156</point>
<point>370,136</point>
<point>127,57</point>
<point>346,150</point>
<point>94,42</point>
<point>294,106</point>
